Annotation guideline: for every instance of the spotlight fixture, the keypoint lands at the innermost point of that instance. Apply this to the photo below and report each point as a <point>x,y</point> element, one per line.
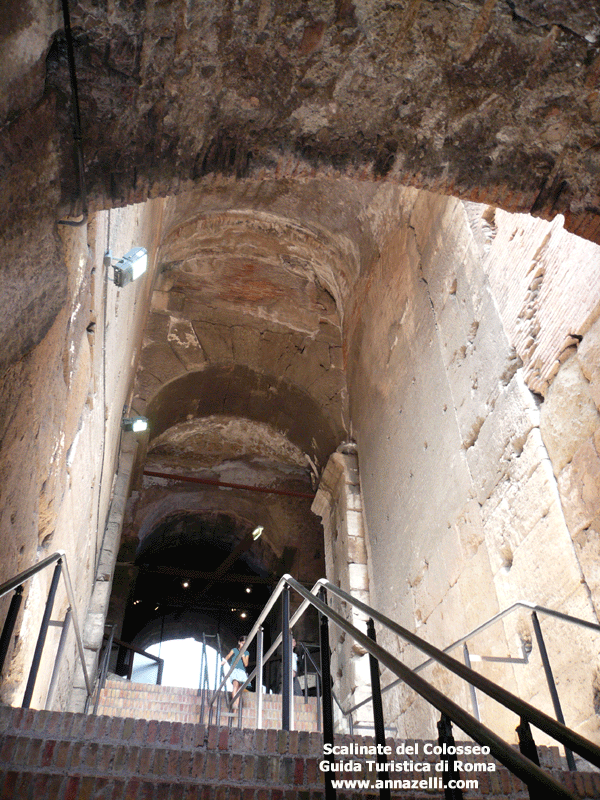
<point>257,532</point>
<point>130,267</point>
<point>248,589</point>
<point>243,615</point>
<point>185,584</point>
<point>135,424</point>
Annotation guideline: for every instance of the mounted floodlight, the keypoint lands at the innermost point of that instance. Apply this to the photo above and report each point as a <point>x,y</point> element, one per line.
<point>135,424</point>
<point>257,532</point>
<point>130,267</point>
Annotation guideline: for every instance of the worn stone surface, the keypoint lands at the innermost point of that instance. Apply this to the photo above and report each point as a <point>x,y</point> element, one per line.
<point>62,408</point>
<point>470,488</point>
<point>588,356</point>
<point>569,415</point>
<point>338,503</point>
<point>303,294</point>
<point>491,103</point>
<point>496,104</point>
<point>546,306</point>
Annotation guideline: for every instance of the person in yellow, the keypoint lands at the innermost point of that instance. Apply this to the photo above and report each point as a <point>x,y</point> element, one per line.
<point>238,676</point>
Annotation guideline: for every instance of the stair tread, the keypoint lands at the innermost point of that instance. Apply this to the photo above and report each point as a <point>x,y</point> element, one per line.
<point>70,756</point>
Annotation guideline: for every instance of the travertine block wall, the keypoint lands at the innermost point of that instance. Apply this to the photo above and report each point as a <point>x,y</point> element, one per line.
<point>60,436</point>
<point>463,511</point>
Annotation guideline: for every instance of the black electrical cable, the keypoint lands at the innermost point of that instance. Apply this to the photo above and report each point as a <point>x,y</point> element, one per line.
<point>76,119</point>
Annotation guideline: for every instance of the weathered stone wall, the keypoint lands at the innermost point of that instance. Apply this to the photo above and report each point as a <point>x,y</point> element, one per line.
<point>62,406</point>
<point>462,509</point>
<point>339,504</point>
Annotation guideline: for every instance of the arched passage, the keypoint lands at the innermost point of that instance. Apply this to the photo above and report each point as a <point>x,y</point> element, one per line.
<point>198,575</point>
<point>235,391</point>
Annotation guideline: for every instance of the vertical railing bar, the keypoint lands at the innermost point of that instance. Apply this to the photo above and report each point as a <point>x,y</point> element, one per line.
<point>304,660</point>
<point>201,686</point>
<point>318,689</point>
<point>9,624</point>
<point>551,684</point>
<point>330,792</point>
<point>259,678</point>
<point>218,661</point>
<point>446,738</point>
<point>528,748</point>
<point>218,669</point>
<point>286,665</point>
<point>378,723</point>
<point>103,670</point>
<point>58,658</point>
<point>474,703</point>
<point>37,655</point>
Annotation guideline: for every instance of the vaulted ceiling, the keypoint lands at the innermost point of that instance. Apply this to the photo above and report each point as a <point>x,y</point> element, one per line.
<point>494,101</point>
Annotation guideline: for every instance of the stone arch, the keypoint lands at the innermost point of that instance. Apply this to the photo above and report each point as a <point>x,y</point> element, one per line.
<point>259,230</point>
<point>197,570</point>
<point>238,391</point>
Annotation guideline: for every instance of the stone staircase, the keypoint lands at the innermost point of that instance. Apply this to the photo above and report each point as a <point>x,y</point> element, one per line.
<point>174,704</point>
<point>65,756</point>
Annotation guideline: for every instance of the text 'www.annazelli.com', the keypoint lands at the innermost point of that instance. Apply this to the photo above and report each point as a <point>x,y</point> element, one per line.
<point>432,782</point>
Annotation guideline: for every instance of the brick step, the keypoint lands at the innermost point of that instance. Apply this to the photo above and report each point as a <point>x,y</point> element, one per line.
<point>124,698</point>
<point>65,756</point>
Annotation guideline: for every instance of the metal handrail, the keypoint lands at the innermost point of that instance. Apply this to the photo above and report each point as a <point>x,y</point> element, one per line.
<point>517,763</point>
<point>24,576</point>
<point>160,662</point>
<point>557,730</point>
<point>278,639</point>
<point>582,623</point>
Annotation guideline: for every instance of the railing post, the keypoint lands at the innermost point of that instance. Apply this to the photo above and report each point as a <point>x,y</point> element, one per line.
<point>474,702</point>
<point>259,678</point>
<point>528,748</point>
<point>319,709</point>
<point>9,624</point>
<point>304,660</point>
<point>378,723</point>
<point>103,670</point>
<point>287,660</point>
<point>445,737</point>
<point>130,660</point>
<point>330,792</point>
<point>57,659</point>
<point>551,684</point>
<point>37,655</point>
<point>202,687</point>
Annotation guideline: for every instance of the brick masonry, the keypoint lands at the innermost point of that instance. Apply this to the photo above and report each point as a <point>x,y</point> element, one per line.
<point>177,704</point>
<point>65,756</point>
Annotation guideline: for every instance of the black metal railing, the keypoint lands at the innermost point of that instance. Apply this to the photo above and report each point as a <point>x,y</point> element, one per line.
<point>93,688</point>
<point>468,657</point>
<point>16,584</point>
<point>522,764</point>
<point>110,642</point>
